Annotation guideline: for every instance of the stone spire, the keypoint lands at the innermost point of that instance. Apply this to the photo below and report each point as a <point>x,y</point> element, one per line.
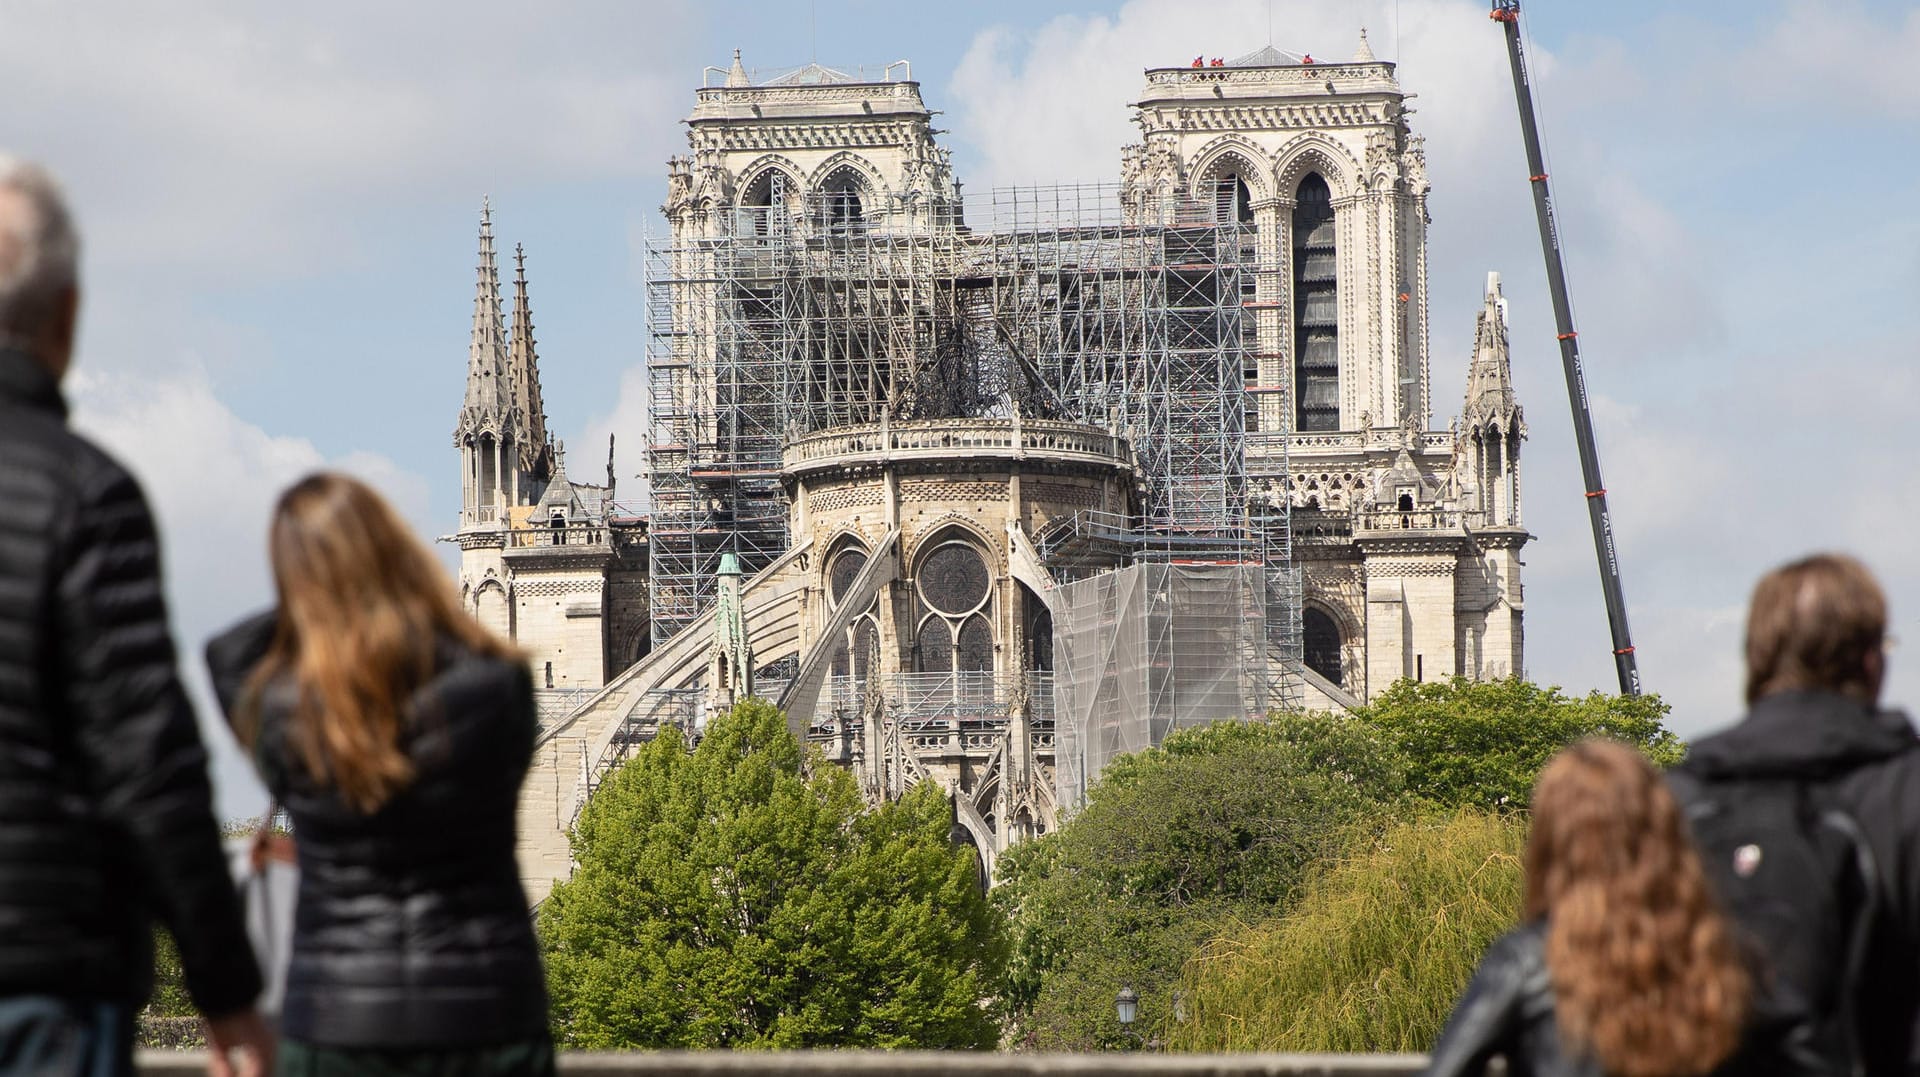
<point>1492,424</point>
<point>1363,54</point>
<point>737,75</point>
<point>488,395</point>
<point>1490,379</point>
<point>523,375</point>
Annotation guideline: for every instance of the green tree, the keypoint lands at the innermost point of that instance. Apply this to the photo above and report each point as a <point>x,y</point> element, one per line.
<point>739,895</point>
<point>1481,744</point>
<point>1219,822</point>
<point>1375,953</point>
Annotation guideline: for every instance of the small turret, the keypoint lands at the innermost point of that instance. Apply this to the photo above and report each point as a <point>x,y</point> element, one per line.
<point>1363,54</point>
<point>1492,423</point>
<point>730,666</point>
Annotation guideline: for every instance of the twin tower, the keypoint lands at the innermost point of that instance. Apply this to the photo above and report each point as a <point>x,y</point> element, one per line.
<point>986,490</point>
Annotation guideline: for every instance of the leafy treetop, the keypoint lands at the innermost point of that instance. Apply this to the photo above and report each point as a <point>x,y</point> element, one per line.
<point>737,895</point>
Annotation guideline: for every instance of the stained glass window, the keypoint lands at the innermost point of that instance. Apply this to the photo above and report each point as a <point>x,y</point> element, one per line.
<point>953,579</point>
<point>840,574</point>
<point>976,645</point>
<point>936,646</point>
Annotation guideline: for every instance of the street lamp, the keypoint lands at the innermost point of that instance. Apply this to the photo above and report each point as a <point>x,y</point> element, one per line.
<point>1128,1003</point>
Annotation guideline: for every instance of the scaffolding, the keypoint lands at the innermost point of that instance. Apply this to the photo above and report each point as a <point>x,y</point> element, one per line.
<point>1063,302</point>
<point>1146,650</point>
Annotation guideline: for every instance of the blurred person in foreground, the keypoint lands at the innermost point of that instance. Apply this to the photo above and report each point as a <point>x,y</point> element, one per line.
<point>396,731</point>
<point>1624,966</point>
<point>106,812</point>
<point>1808,815</point>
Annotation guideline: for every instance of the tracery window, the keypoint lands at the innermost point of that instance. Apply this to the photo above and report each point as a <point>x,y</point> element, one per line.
<point>843,570</point>
<point>1039,630</point>
<point>1316,318</point>
<point>955,588</point>
<point>860,651</point>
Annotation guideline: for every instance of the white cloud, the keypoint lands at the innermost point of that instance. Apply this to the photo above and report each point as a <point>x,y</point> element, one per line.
<point>210,138</point>
<point>1821,49</point>
<point>212,479</point>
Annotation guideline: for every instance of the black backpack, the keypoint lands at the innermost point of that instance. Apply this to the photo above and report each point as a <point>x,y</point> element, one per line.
<point>1794,872</point>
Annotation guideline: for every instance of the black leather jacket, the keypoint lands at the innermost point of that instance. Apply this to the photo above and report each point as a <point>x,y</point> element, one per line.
<point>1507,1010</point>
<point>412,930</point>
<point>106,815</point>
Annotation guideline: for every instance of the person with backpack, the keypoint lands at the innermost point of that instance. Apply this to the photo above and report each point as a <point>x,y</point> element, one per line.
<point>1623,965</point>
<point>1807,814</point>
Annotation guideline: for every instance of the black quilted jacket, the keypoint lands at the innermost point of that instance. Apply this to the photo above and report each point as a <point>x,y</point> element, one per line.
<point>105,809</point>
<point>412,930</point>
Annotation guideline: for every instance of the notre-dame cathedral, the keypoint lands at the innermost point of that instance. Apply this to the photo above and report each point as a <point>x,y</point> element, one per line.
<point>984,490</point>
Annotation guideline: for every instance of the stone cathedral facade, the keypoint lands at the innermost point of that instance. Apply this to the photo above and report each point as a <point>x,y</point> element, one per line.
<point>903,608</point>
<point>1409,534</point>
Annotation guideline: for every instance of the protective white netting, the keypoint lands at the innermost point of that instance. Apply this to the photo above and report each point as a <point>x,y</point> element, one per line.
<point>1148,649</point>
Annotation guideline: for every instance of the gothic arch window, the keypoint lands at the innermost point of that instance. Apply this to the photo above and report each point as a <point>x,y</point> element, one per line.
<point>1038,624</point>
<point>955,589</point>
<point>1232,202</point>
<point>765,202</point>
<point>489,473</point>
<point>843,203</point>
<point>492,610</point>
<point>859,654</point>
<point>842,569</point>
<point>1322,643</point>
<point>1316,309</point>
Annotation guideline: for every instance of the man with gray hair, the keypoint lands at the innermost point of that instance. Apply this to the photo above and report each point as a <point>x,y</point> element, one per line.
<point>106,820</point>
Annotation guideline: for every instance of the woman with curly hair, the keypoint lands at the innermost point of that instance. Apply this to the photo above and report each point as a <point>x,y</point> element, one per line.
<point>396,731</point>
<point>1624,966</point>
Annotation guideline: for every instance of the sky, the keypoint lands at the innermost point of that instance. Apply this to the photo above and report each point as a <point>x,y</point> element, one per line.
<point>279,205</point>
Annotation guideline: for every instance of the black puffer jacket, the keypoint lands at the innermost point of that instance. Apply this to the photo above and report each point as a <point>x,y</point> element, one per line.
<point>1868,759</point>
<point>412,929</point>
<point>105,809</point>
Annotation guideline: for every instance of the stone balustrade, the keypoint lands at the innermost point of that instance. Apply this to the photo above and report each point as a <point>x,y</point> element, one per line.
<point>1313,74</point>
<point>1387,439</point>
<point>530,538</point>
<point>951,438</point>
<point>1379,520</point>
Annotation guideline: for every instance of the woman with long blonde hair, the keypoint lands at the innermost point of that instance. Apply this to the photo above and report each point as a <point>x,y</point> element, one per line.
<point>395,731</point>
<point>1624,965</point>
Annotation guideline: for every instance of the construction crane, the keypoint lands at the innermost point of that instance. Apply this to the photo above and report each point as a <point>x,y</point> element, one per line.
<point>1507,14</point>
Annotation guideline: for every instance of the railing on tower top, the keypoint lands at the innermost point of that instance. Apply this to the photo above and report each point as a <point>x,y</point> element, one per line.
<point>521,538</point>
<point>951,436</point>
